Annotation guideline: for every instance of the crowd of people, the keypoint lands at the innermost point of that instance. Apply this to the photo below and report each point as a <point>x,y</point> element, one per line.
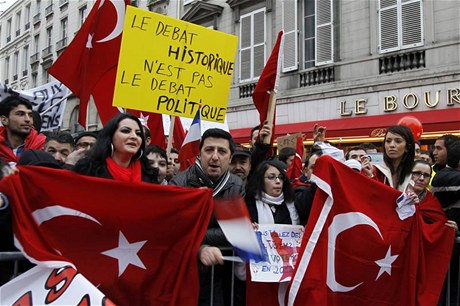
<point>121,151</point>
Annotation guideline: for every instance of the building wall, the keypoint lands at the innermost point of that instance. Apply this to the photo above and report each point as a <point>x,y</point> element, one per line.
<point>356,66</point>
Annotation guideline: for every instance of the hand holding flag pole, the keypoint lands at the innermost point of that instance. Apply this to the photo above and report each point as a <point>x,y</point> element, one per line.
<point>264,95</point>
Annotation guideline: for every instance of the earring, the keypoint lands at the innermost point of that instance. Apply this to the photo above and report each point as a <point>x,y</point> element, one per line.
<point>111,149</point>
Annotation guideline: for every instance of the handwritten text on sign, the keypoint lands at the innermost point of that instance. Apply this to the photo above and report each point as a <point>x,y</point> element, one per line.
<point>281,244</point>
<point>170,66</point>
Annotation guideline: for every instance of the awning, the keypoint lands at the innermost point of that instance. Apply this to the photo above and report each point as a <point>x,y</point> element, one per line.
<point>367,128</point>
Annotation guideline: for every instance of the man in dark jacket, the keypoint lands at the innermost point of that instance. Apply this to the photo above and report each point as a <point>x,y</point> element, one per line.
<point>211,170</point>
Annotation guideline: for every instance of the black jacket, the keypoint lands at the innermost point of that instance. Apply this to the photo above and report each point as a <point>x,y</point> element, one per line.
<point>234,187</point>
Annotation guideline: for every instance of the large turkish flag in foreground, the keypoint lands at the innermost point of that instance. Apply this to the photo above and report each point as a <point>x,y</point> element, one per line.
<point>139,242</point>
<point>358,252</point>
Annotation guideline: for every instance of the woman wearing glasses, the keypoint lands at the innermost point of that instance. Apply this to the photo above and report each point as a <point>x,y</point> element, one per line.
<point>270,200</point>
<point>398,158</point>
<point>428,204</point>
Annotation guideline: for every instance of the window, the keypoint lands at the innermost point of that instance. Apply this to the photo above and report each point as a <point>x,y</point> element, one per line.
<point>318,37</point>
<point>252,45</point>
<point>400,24</point>
<point>309,34</point>
<point>82,15</point>
<point>15,65</point>
<point>289,15</point>
<point>36,43</point>
<point>64,24</point>
<point>49,36</point>
<point>8,30</point>
<point>27,17</point>
<point>25,60</point>
<point>18,23</point>
<point>7,68</point>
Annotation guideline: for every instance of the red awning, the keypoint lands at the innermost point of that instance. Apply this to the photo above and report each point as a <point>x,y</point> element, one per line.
<point>361,127</point>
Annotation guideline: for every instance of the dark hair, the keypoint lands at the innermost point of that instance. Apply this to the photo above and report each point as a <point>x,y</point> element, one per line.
<point>307,160</point>
<point>37,121</point>
<point>453,154</point>
<point>10,102</point>
<point>285,153</point>
<point>448,139</point>
<point>84,134</point>
<point>155,149</point>
<point>103,147</point>
<point>355,148</point>
<point>423,162</point>
<point>256,128</point>
<point>147,133</point>
<point>368,146</point>
<point>256,183</point>
<point>174,151</point>
<point>407,161</point>
<point>61,137</point>
<point>218,133</point>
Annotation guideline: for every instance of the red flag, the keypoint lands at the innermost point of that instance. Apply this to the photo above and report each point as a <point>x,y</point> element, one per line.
<point>267,83</point>
<point>119,237</point>
<point>295,168</point>
<point>357,251</point>
<point>179,133</point>
<point>191,145</point>
<point>154,122</point>
<point>88,65</point>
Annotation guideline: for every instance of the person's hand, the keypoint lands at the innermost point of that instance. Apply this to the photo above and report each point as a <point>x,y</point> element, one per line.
<point>366,167</point>
<point>169,172</point>
<point>75,156</point>
<point>255,226</point>
<point>209,256</point>
<point>265,134</point>
<point>319,133</point>
<point>413,197</point>
<point>452,224</point>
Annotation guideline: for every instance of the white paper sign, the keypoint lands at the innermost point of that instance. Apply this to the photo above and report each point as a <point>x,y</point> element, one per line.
<point>281,244</point>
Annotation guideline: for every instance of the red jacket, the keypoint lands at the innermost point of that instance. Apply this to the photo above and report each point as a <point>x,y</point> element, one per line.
<point>33,141</point>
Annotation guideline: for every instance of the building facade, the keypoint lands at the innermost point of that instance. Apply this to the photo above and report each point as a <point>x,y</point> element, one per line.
<point>355,66</point>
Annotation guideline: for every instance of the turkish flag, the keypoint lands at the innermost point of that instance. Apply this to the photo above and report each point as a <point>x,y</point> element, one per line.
<point>267,83</point>
<point>137,243</point>
<point>356,250</point>
<point>295,168</point>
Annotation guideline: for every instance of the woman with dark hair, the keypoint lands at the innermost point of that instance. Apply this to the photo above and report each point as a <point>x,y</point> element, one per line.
<point>398,157</point>
<point>270,197</point>
<point>118,153</point>
<point>270,200</point>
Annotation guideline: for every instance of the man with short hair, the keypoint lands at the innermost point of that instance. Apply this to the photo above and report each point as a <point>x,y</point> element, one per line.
<point>425,155</point>
<point>359,153</point>
<point>254,136</point>
<point>59,145</point>
<point>440,151</point>
<point>85,140</point>
<point>240,164</point>
<point>211,170</point>
<point>286,155</point>
<point>17,133</point>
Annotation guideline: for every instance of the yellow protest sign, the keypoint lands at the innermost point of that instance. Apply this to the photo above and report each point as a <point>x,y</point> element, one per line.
<point>170,66</point>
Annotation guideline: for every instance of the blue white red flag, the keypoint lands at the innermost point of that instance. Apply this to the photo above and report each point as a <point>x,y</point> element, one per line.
<point>233,218</point>
<point>191,146</point>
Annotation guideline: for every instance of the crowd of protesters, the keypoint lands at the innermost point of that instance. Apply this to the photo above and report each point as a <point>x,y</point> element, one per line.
<point>120,151</point>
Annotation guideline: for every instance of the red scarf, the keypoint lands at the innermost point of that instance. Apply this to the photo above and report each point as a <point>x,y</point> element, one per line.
<point>33,141</point>
<point>130,174</point>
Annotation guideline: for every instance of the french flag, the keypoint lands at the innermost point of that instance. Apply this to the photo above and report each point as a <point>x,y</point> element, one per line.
<point>233,218</point>
<point>191,145</point>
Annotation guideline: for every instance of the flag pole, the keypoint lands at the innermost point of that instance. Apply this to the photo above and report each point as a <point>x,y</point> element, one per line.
<point>170,136</point>
<point>58,102</point>
<point>270,113</point>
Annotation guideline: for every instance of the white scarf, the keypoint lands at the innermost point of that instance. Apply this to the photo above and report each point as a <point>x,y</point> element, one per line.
<point>265,212</point>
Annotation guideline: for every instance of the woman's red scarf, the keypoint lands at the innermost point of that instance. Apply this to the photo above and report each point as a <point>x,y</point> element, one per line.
<point>130,174</point>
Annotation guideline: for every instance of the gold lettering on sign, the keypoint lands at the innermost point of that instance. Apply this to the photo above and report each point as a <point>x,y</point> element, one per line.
<point>428,99</point>
<point>453,96</point>
<point>342,109</point>
<point>407,98</point>
<point>390,104</point>
<point>360,106</point>
<point>378,132</point>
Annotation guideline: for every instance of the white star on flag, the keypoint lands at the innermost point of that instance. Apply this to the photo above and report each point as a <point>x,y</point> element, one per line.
<point>385,263</point>
<point>144,120</point>
<point>126,253</point>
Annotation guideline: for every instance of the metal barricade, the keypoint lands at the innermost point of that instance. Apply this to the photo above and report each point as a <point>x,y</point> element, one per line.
<point>15,257</point>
